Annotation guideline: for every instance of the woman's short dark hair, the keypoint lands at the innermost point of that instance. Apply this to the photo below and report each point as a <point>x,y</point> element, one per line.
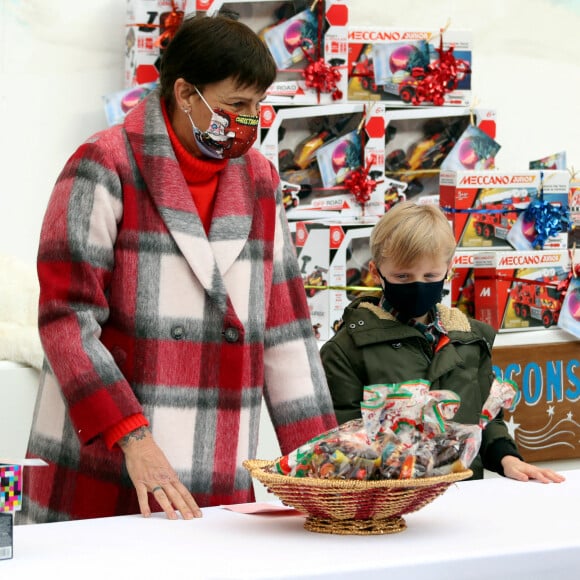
<point>210,49</point>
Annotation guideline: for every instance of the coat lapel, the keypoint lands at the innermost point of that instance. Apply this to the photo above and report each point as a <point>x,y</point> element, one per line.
<point>232,215</point>
<point>159,169</point>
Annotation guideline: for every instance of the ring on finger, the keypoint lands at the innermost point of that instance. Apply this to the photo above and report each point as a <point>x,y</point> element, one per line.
<point>156,488</point>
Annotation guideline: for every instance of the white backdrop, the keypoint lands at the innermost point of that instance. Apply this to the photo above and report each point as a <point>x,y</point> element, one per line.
<point>58,57</point>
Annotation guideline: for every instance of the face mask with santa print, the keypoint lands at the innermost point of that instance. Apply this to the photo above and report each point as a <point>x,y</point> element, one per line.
<point>228,135</point>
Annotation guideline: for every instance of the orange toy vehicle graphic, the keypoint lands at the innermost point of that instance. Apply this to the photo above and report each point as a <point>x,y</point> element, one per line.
<point>290,194</point>
<point>499,215</point>
<point>315,281</point>
<point>439,137</point>
<point>537,300</point>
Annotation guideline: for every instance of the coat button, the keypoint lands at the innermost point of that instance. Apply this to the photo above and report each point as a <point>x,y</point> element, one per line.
<point>178,332</point>
<point>231,334</point>
<point>396,345</point>
<point>352,325</point>
<point>361,322</point>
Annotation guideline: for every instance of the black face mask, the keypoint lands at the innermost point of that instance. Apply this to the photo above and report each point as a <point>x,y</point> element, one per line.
<point>412,299</point>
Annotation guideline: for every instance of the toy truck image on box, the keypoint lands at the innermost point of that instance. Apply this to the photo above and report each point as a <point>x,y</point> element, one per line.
<point>483,206</point>
<point>539,301</point>
<point>520,290</point>
<point>499,213</point>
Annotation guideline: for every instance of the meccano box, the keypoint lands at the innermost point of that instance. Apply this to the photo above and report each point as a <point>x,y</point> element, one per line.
<point>517,291</point>
<point>463,282</point>
<point>315,148</point>
<point>570,313</point>
<point>333,257</point>
<point>383,64</point>
<point>147,23</point>
<point>417,142</point>
<point>290,29</point>
<point>483,206</point>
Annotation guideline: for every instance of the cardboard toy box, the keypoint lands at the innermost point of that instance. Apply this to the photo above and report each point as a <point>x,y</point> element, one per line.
<point>380,61</point>
<point>289,27</point>
<point>333,257</point>
<point>518,291</point>
<point>462,286</point>
<point>569,319</point>
<point>146,22</point>
<point>417,142</point>
<point>315,148</point>
<point>119,103</point>
<point>483,206</point>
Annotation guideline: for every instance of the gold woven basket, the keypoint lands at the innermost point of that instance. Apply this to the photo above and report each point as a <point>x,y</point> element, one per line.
<point>346,506</point>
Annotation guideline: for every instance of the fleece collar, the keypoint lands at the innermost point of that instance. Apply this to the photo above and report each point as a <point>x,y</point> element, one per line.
<point>452,319</point>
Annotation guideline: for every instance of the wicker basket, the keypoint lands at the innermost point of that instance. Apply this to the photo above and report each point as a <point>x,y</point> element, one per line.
<point>345,506</point>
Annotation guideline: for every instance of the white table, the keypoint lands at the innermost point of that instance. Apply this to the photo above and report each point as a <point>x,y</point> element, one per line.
<point>495,528</point>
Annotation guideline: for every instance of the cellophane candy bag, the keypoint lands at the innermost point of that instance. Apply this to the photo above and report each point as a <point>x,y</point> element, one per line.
<point>405,431</point>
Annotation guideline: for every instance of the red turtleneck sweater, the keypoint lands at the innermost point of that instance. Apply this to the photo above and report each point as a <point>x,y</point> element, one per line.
<point>201,174</point>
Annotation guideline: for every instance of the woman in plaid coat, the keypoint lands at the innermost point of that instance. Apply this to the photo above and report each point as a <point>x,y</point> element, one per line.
<point>171,300</point>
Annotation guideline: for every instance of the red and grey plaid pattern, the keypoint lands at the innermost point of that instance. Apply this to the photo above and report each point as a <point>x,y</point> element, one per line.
<point>141,312</point>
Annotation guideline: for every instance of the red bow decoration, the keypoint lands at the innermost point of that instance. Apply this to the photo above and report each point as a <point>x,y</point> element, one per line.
<point>171,21</point>
<point>323,77</point>
<point>318,74</point>
<point>360,185</point>
<point>439,77</point>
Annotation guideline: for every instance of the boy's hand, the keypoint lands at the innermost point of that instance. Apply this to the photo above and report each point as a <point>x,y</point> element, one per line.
<point>515,468</point>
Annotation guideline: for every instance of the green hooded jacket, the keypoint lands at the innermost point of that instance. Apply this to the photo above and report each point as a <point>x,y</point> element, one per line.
<point>372,347</point>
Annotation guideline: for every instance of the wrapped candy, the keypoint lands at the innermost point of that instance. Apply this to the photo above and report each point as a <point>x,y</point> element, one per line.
<point>502,395</point>
<point>455,449</point>
<point>404,406</point>
<point>405,431</point>
<point>372,409</point>
<point>344,452</point>
<point>441,407</point>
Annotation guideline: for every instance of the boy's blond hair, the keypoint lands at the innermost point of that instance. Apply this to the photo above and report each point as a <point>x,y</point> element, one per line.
<point>408,232</point>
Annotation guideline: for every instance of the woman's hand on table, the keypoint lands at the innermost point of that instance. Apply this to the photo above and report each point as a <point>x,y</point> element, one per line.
<point>151,472</point>
<point>515,468</point>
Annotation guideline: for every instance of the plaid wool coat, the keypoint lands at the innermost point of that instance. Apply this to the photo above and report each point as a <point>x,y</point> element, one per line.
<point>141,312</point>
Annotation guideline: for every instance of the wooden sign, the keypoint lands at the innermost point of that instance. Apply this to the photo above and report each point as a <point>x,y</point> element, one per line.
<point>546,419</point>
